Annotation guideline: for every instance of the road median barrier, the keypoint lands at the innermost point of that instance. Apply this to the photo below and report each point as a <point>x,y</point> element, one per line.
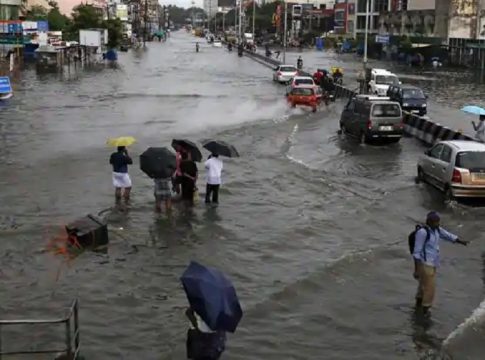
<point>416,126</point>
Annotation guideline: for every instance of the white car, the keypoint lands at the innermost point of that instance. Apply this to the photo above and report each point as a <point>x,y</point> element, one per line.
<point>381,80</point>
<point>217,43</point>
<point>456,167</point>
<point>284,73</point>
<point>302,80</point>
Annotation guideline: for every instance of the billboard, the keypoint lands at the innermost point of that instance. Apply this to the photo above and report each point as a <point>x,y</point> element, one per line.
<point>226,3</point>
<point>122,12</point>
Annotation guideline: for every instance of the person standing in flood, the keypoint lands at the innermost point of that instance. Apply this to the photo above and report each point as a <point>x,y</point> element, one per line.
<point>213,168</point>
<point>480,129</point>
<point>202,342</point>
<point>121,179</point>
<point>427,256</point>
<point>163,194</point>
<point>188,179</point>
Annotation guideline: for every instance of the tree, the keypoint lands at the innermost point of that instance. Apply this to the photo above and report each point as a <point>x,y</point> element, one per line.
<point>36,12</point>
<point>115,32</point>
<point>86,17</point>
<point>57,20</point>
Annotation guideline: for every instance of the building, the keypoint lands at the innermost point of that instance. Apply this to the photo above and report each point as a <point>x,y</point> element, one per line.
<point>380,6</point>
<point>344,17</point>
<point>10,9</point>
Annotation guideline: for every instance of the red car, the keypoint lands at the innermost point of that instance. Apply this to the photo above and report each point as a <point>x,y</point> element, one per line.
<point>304,96</point>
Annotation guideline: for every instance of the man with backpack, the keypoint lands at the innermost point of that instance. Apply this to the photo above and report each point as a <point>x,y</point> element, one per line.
<point>424,246</point>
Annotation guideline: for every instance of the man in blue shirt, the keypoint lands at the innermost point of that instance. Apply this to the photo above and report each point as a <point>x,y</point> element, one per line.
<point>427,256</point>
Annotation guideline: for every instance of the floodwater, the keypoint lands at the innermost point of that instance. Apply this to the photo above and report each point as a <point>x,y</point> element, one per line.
<point>312,227</point>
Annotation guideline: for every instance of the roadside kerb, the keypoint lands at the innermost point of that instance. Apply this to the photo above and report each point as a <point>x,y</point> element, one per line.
<point>419,127</point>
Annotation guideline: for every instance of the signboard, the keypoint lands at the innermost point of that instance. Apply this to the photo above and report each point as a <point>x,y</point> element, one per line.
<point>122,12</point>
<point>42,26</point>
<point>382,39</point>
<point>5,87</point>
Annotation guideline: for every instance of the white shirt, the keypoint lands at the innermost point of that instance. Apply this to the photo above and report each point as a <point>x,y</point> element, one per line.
<point>480,132</point>
<point>201,325</point>
<point>214,171</point>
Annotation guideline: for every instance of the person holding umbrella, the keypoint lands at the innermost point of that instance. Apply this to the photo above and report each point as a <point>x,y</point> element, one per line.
<point>120,160</point>
<point>213,168</point>
<point>214,310</point>
<point>480,129</point>
<point>188,179</point>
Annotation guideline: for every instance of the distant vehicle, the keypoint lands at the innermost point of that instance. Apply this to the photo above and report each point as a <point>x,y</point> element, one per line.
<point>284,73</point>
<point>302,80</point>
<point>370,118</point>
<point>304,96</point>
<point>217,43</point>
<point>456,167</point>
<point>380,80</point>
<point>248,38</point>
<point>411,98</point>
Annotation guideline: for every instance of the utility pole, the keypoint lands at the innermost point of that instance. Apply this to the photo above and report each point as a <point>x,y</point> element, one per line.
<point>254,21</point>
<point>366,36</point>
<point>285,35</point>
<point>235,17</point>
<point>145,19</point>
<point>240,21</point>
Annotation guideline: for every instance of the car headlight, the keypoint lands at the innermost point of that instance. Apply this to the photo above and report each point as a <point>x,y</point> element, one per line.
<point>405,104</point>
<point>424,105</point>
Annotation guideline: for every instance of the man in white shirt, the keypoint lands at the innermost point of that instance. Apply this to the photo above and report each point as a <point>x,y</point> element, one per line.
<point>213,168</point>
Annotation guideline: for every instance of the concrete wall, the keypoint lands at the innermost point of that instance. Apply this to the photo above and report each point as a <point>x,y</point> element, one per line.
<point>463,19</point>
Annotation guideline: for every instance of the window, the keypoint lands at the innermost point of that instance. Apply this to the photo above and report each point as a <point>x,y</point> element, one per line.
<point>362,6</point>
<point>387,79</point>
<point>381,5</point>
<point>304,82</point>
<point>386,110</point>
<point>360,22</point>
<point>413,94</point>
<point>446,154</point>
<point>288,69</point>
<point>471,160</point>
<point>350,27</point>
<point>302,91</point>
<point>351,106</point>
<point>436,151</point>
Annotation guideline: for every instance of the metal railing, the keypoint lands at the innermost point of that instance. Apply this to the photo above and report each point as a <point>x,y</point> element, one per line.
<point>71,350</point>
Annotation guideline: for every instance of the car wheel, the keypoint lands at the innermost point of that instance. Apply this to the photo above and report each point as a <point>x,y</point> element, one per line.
<point>449,194</point>
<point>314,109</point>
<point>420,177</point>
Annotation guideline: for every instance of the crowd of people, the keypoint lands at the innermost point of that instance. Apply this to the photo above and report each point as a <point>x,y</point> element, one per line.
<point>183,181</point>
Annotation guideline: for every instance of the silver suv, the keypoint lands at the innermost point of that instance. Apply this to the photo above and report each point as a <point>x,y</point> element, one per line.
<point>368,118</point>
<point>456,167</point>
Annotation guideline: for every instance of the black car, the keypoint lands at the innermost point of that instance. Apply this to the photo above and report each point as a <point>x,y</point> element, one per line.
<point>411,98</point>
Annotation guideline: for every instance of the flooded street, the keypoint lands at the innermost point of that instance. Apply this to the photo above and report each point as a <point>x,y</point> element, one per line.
<point>312,227</point>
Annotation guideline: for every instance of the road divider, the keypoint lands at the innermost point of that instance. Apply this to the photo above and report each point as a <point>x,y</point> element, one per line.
<point>421,128</point>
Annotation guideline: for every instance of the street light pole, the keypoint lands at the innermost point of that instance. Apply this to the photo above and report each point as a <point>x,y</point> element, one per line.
<point>254,20</point>
<point>284,35</point>
<point>366,34</point>
<point>240,21</point>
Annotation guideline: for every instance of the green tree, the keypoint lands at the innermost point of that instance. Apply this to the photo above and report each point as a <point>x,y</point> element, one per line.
<point>36,12</point>
<point>115,32</point>
<point>86,17</point>
<point>57,20</point>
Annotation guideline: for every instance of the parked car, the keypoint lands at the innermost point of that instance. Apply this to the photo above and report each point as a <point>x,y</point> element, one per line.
<point>304,96</point>
<point>284,73</point>
<point>380,80</point>
<point>456,167</point>
<point>370,118</point>
<point>411,98</point>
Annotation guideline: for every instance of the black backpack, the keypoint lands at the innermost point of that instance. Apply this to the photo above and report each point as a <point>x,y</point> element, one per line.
<point>412,239</point>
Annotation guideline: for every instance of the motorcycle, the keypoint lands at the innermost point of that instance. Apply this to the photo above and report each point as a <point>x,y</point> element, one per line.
<point>229,47</point>
<point>240,51</point>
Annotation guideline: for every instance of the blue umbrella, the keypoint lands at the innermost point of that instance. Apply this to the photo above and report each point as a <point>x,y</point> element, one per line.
<point>212,296</point>
<point>475,110</point>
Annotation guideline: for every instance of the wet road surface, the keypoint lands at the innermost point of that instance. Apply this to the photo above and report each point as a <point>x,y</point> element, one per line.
<point>312,227</point>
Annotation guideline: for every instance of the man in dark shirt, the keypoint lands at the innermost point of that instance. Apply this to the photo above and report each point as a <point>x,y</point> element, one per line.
<point>188,179</point>
<point>121,179</point>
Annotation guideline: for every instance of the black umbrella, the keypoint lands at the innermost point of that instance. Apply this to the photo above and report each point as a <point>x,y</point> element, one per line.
<point>188,145</point>
<point>221,148</point>
<point>158,162</point>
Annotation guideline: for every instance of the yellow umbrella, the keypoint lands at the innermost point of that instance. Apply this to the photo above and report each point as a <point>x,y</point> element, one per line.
<point>121,141</point>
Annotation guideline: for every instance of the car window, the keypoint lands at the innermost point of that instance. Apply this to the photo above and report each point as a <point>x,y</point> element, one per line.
<point>446,154</point>
<point>436,151</point>
<point>302,91</point>
<point>287,68</point>
<point>386,80</point>
<point>413,94</point>
<point>471,160</point>
<point>303,82</point>
<point>351,106</point>
<point>386,110</point>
